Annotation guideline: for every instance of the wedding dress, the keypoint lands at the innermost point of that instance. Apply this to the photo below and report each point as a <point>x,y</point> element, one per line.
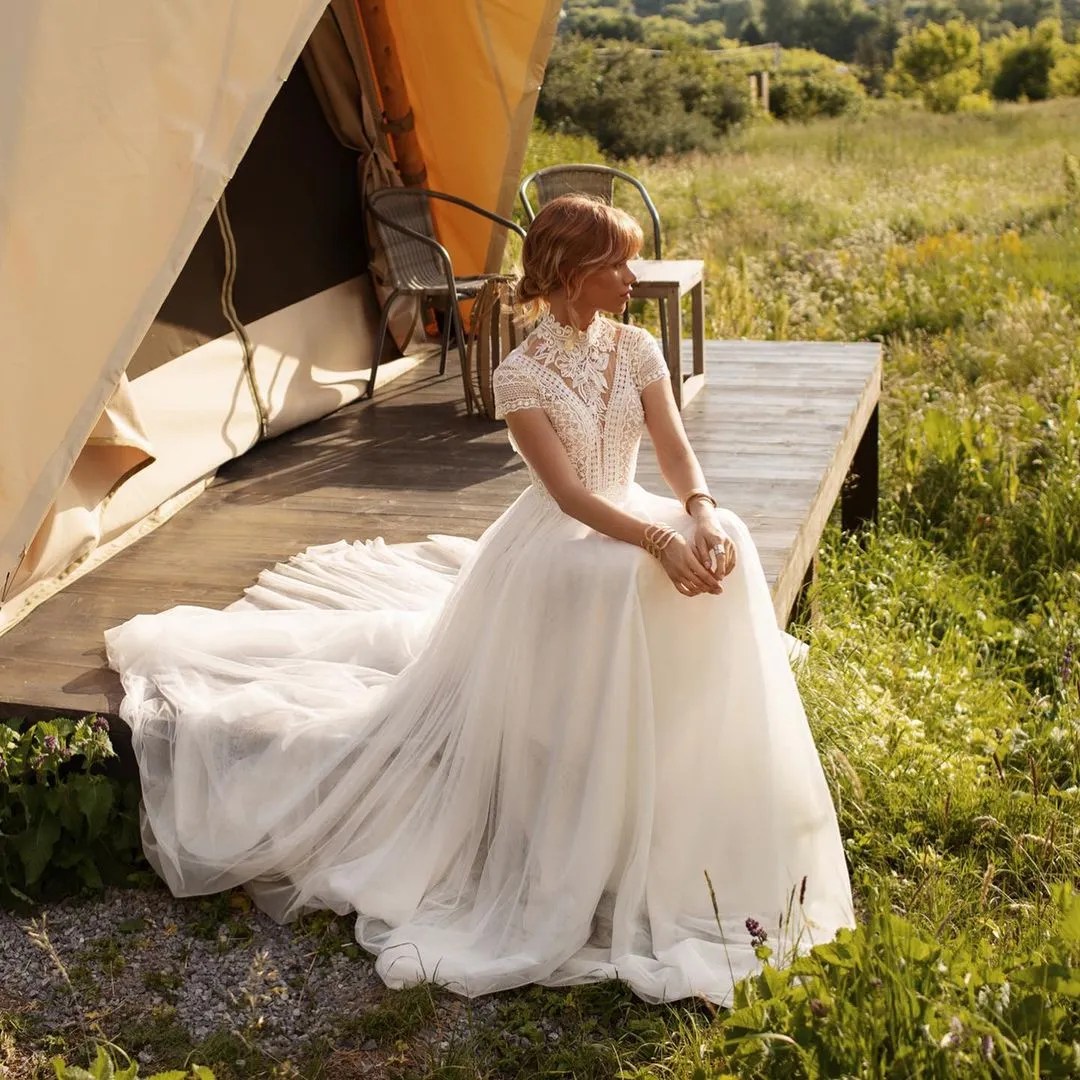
<point>516,759</point>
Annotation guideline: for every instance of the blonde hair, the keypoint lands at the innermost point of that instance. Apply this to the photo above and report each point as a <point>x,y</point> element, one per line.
<point>569,238</point>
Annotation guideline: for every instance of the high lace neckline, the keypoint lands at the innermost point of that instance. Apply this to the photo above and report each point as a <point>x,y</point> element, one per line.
<point>582,358</point>
<point>566,332</point>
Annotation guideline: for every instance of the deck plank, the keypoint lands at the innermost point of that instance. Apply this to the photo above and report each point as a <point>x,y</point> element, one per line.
<point>775,427</point>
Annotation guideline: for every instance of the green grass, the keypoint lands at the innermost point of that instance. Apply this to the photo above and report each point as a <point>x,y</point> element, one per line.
<point>940,687</point>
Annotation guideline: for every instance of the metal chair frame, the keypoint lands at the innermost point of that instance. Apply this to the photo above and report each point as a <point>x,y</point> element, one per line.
<point>604,177</point>
<point>455,288</point>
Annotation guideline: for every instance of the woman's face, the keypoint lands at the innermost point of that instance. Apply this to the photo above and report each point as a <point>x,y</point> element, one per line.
<point>607,288</point>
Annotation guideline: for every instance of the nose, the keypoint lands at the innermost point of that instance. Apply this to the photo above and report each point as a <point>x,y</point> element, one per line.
<point>631,277</point>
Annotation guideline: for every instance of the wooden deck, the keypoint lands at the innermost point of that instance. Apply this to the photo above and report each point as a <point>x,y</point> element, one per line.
<point>777,427</point>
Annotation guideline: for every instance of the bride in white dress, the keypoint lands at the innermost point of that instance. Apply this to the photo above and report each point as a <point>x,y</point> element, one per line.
<point>525,758</point>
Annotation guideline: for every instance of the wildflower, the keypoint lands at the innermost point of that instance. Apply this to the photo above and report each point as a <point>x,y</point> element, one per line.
<point>51,744</point>
<point>986,1045</point>
<point>818,1007</point>
<point>953,1036</point>
<point>758,935</point>
<point>37,762</point>
<point>100,724</point>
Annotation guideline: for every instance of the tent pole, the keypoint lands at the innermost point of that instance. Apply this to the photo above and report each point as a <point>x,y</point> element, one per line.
<point>398,118</point>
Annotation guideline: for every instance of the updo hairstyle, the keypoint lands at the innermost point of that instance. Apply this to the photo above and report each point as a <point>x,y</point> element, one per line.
<point>570,237</point>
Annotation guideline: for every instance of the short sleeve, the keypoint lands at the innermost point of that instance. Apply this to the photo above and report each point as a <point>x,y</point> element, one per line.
<point>649,365</point>
<point>513,390</point>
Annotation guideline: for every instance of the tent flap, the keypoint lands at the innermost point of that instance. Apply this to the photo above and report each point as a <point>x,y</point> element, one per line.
<point>122,123</point>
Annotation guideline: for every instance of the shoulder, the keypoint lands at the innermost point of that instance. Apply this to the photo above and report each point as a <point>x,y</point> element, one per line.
<point>646,358</point>
<point>514,385</point>
<point>513,367</point>
<point>636,339</point>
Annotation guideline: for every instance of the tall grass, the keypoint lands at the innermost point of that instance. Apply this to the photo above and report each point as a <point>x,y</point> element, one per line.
<point>943,686</point>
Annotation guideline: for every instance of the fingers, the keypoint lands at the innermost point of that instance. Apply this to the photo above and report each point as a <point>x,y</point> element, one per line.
<point>703,578</point>
<point>729,555</point>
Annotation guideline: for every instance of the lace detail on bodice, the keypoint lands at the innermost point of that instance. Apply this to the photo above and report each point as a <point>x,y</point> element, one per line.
<point>589,385</point>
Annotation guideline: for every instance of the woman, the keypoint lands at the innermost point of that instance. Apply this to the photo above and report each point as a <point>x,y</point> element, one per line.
<point>572,750</point>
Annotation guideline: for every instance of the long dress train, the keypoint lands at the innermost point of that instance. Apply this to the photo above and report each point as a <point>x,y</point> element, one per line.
<point>516,759</point>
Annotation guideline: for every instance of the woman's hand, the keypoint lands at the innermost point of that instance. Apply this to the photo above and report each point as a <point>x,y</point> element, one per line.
<point>687,572</point>
<point>712,546</point>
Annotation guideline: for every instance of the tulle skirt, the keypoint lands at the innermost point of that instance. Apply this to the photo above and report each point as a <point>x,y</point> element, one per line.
<point>520,759</point>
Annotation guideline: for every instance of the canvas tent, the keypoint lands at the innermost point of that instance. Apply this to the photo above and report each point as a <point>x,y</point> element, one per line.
<point>152,329</point>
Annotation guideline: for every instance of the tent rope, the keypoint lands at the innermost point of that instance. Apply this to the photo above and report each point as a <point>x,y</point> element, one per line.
<point>228,308</point>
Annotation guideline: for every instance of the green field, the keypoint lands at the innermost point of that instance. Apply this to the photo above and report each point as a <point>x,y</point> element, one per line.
<point>941,689</point>
<point>943,683</point>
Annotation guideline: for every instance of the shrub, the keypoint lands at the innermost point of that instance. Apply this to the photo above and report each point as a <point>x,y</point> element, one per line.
<point>953,92</point>
<point>635,104</point>
<point>802,97</point>
<point>940,64</point>
<point>64,825</point>
<point>1065,77</point>
<point>1025,67</point>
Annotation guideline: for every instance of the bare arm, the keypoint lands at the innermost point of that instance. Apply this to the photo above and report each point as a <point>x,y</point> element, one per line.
<point>544,451</point>
<point>683,473</point>
<point>678,462</point>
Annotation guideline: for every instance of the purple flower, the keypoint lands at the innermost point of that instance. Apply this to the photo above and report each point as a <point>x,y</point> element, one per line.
<point>757,933</point>
<point>818,1007</point>
<point>51,744</point>
<point>100,724</point>
<point>987,1045</point>
<point>37,762</point>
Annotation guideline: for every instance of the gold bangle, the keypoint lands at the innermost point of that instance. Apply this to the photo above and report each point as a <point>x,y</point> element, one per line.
<point>697,493</point>
<point>657,537</point>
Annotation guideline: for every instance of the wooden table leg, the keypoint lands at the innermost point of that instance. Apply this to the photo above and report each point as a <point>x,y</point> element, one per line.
<point>674,344</point>
<point>859,495</point>
<point>694,382</point>
<point>697,300</point>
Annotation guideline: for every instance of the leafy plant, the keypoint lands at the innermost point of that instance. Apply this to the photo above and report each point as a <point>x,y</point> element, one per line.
<point>105,1067</point>
<point>64,824</point>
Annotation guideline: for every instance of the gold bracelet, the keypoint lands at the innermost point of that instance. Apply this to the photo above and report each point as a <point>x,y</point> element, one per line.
<point>657,537</point>
<point>697,493</point>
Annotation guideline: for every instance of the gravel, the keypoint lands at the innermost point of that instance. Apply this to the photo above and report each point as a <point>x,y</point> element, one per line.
<point>210,966</point>
<point>159,976</point>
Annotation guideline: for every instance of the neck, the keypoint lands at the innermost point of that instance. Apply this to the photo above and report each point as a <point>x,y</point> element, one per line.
<point>569,314</point>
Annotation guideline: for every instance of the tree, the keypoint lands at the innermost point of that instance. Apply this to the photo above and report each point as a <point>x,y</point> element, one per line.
<point>1027,63</point>
<point>935,50</point>
<point>940,64</point>
<point>833,27</point>
<point>782,20</point>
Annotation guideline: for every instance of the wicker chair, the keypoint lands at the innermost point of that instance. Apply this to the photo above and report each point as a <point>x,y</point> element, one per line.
<point>417,264</point>
<point>598,181</point>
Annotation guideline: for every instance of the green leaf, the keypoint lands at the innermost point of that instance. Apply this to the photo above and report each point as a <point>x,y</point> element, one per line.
<point>95,798</point>
<point>69,1072</point>
<point>1055,978</point>
<point>172,1074</point>
<point>1069,925</point>
<point>35,847</point>
<point>103,1066</point>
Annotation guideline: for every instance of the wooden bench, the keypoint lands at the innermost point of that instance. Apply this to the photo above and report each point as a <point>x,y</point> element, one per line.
<point>778,426</point>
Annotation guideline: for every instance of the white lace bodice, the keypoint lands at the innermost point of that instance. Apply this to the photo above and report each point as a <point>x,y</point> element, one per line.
<point>589,384</point>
